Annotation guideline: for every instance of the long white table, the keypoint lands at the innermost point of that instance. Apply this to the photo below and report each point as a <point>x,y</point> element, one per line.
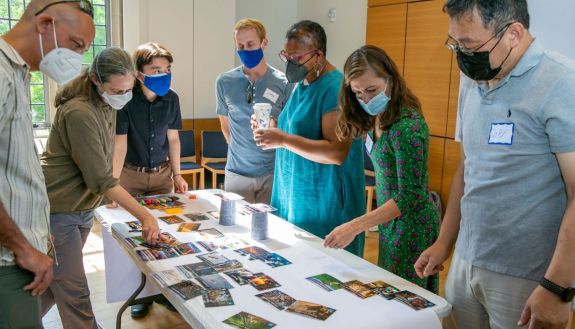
<point>304,250</point>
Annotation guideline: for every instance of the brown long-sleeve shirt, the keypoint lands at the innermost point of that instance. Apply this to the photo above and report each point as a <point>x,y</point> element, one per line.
<point>77,162</point>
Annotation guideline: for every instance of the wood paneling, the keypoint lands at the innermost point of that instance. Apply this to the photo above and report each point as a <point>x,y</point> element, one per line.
<point>451,159</point>
<point>453,98</point>
<point>435,162</point>
<point>427,62</point>
<point>372,3</point>
<point>386,29</point>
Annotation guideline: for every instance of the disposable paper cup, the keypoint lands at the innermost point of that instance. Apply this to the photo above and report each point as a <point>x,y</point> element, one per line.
<point>260,225</point>
<point>263,112</point>
<point>228,212</point>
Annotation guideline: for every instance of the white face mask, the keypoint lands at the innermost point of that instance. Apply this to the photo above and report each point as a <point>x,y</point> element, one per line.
<point>117,102</point>
<point>60,64</point>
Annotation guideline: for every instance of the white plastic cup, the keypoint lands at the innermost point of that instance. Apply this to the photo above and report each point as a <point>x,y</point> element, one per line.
<point>228,212</point>
<point>263,113</point>
<point>259,225</point>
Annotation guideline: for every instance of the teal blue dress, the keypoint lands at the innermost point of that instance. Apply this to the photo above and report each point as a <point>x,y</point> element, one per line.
<point>313,196</point>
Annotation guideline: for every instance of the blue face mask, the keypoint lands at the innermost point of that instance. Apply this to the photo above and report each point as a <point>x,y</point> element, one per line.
<point>376,105</point>
<point>158,83</point>
<point>251,58</point>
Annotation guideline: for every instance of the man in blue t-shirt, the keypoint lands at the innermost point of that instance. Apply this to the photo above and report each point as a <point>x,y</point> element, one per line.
<point>249,169</point>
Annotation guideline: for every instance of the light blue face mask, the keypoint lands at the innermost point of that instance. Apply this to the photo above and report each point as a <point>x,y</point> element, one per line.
<point>376,105</point>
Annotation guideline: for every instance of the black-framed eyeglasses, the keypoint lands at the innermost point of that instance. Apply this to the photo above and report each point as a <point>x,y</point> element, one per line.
<point>85,6</point>
<point>250,93</point>
<point>452,45</point>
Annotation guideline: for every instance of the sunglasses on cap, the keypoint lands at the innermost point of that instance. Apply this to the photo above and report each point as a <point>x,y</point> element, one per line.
<point>85,6</point>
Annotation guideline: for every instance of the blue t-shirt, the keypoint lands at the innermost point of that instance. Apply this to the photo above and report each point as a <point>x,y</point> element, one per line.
<point>313,196</point>
<point>244,157</point>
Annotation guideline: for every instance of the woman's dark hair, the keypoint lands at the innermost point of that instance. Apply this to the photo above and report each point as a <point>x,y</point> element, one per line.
<point>494,13</point>
<point>354,121</point>
<point>304,30</point>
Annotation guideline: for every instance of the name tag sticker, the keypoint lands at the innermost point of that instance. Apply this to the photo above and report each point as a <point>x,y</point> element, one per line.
<point>368,143</point>
<point>501,133</point>
<point>271,95</point>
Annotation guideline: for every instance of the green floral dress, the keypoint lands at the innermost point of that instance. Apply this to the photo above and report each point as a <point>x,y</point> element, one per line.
<point>400,160</point>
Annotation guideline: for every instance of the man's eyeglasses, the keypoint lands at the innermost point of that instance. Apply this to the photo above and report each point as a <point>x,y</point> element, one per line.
<point>295,58</point>
<point>85,6</point>
<point>452,45</point>
<point>250,95</point>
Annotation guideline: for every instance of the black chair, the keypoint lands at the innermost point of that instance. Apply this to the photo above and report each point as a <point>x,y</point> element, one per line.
<point>214,153</point>
<point>188,163</point>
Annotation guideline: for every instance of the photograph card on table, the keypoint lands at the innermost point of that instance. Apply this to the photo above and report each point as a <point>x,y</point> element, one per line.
<point>277,298</point>
<point>214,281</point>
<point>188,227</point>
<point>413,300</point>
<point>187,248</point>
<point>262,281</point>
<point>241,276</point>
<point>312,310</point>
<point>244,320</point>
<point>217,297</point>
<point>197,269</point>
<point>383,289</point>
<point>172,219</point>
<point>326,281</point>
<point>197,217</point>
<point>358,288</point>
<point>187,289</point>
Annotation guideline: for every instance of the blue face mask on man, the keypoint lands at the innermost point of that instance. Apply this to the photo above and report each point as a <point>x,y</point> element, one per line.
<point>158,83</point>
<point>376,105</point>
<point>251,58</point>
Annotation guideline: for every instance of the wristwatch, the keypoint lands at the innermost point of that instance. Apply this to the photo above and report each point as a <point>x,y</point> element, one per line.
<point>566,294</point>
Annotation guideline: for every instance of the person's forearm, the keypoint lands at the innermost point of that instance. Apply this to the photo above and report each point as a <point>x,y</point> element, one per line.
<point>174,155</point>
<point>120,149</point>
<point>10,235</point>
<point>380,215</point>
<point>561,270</point>
<point>126,201</point>
<point>450,226</point>
<point>320,151</point>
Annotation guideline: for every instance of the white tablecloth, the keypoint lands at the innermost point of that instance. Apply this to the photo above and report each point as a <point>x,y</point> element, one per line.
<point>308,257</point>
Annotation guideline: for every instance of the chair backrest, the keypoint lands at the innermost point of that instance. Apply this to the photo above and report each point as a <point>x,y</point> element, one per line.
<point>188,146</point>
<point>214,145</point>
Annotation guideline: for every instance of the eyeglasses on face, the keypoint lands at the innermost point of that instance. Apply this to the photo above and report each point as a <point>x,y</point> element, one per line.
<point>454,46</point>
<point>85,6</point>
<point>295,58</point>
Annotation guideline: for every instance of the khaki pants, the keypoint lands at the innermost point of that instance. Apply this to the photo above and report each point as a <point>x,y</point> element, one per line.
<point>18,308</point>
<point>253,189</point>
<point>69,289</point>
<point>483,299</point>
<point>141,183</point>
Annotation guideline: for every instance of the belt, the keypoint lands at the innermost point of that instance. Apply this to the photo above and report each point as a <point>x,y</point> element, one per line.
<point>147,169</point>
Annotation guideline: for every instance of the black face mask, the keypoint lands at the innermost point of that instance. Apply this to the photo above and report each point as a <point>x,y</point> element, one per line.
<point>295,72</point>
<point>476,64</point>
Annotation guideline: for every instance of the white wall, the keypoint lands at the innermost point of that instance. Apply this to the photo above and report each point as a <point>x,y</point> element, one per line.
<point>344,35</point>
<point>193,30</point>
<point>552,22</point>
<point>277,16</point>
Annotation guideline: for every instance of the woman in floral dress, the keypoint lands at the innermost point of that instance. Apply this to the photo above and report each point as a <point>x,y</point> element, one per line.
<point>377,104</point>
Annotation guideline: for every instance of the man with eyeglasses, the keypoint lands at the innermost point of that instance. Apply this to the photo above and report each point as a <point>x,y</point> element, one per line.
<point>511,209</point>
<point>249,169</point>
<point>51,36</point>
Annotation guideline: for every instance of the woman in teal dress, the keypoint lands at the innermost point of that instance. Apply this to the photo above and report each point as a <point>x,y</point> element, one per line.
<point>376,103</point>
<point>318,178</point>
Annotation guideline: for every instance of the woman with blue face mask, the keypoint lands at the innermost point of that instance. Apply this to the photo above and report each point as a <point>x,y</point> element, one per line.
<point>377,104</point>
